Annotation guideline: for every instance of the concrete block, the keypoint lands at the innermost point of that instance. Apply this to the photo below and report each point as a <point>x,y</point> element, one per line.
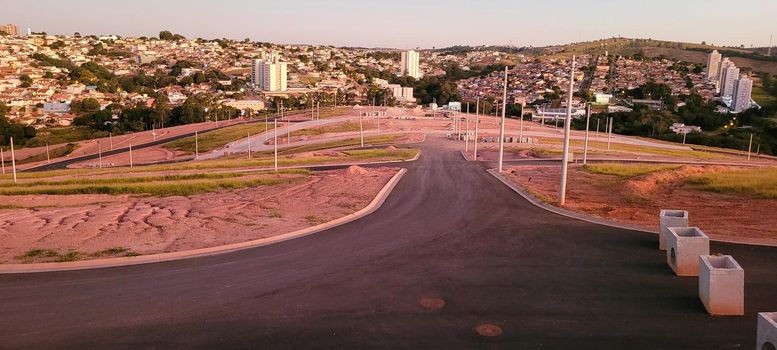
<point>685,246</point>
<point>722,285</point>
<point>670,218</point>
<point>767,331</point>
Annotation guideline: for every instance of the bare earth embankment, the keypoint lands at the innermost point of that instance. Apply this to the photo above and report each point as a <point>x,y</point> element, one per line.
<point>728,203</point>
<point>46,227</point>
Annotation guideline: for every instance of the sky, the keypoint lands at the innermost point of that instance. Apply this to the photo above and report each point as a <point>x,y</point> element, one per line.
<point>407,23</point>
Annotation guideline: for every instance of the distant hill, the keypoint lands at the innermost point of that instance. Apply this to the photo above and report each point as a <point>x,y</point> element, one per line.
<point>754,59</point>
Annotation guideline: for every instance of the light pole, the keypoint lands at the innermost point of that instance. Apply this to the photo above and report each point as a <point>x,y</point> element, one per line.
<point>567,130</point>
<point>520,135</point>
<point>196,146</point>
<point>477,126</point>
<point>275,131</point>
<point>609,134</point>
<point>13,161</point>
<point>750,148</point>
<point>502,126</point>
<point>587,123</point>
<point>466,138</point>
<point>2,160</point>
<point>130,154</point>
<point>361,127</point>
<point>48,156</point>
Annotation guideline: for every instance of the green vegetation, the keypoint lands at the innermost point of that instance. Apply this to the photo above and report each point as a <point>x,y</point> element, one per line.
<point>49,255</point>
<point>627,170</point>
<point>211,140</point>
<point>329,129</point>
<point>21,134</point>
<point>350,142</point>
<point>55,136</point>
<point>173,185</point>
<point>758,183</point>
<point>54,153</point>
<point>762,97</point>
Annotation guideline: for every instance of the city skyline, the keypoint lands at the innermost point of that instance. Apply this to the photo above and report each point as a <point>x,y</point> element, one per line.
<point>406,24</point>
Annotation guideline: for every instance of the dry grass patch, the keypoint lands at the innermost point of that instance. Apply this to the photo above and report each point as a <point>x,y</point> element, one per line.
<point>758,183</point>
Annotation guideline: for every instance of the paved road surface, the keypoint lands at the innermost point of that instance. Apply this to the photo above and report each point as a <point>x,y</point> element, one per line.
<point>449,231</point>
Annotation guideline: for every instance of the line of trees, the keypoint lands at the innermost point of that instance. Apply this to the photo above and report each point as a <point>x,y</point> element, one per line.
<point>9,129</point>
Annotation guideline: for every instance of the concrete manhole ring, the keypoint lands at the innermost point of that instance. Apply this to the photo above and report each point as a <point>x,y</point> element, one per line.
<point>488,330</point>
<point>432,303</point>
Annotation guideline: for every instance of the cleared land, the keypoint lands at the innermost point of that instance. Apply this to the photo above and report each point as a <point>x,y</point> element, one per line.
<point>92,224</point>
<point>211,140</point>
<point>721,200</point>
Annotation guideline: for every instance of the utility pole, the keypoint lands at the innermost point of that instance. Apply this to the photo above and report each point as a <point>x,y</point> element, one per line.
<point>769,51</point>
<point>466,138</point>
<point>13,161</point>
<point>477,126</point>
<point>153,129</point>
<point>597,128</point>
<point>2,160</point>
<point>587,123</point>
<point>130,154</point>
<point>562,195</point>
<point>361,127</point>
<point>750,148</point>
<point>275,130</point>
<point>520,135</point>
<point>196,146</point>
<point>685,134</point>
<point>48,156</point>
<point>609,133</point>
<point>312,110</point>
<point>502,126</point>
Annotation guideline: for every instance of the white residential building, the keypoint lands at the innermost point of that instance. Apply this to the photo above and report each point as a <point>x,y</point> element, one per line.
<point>721,67</point>
<point>271,75</point>
<point>729,76</point>
<point>409,64</point>
<point>743,89</point>
<point>713,64</point>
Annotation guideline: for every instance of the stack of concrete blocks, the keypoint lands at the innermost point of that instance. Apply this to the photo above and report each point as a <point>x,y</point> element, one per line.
<point>767,331</point>
<point>722,285</point>
<point>685,246</point>
<point>670,218</point>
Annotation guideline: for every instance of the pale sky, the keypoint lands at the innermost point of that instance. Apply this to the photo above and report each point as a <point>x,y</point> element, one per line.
<point>407,23</point>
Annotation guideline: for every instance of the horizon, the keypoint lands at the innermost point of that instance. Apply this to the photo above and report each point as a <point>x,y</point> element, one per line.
<point>355,27</point>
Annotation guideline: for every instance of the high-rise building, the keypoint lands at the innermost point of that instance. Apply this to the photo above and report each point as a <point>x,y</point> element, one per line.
<point>409,64</point>
<point>10,29</point>
<point>269,75</point>
<point>724,63</point>
<point>729,76</point>
<point>743,89</point>
<point>713,63</point>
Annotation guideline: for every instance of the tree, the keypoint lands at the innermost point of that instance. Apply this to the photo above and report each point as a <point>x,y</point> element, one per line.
<point>26,80</point>
<point>165,35</point>
<point>57,45</point>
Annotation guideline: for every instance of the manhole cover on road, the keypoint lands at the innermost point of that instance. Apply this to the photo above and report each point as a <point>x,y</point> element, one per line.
<point>488,330</point>
<point>432,303</point>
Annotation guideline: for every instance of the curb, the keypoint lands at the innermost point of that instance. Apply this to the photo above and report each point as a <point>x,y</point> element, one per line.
<point>582,217</point>
<point>374,205</point>
<point>564,212</point>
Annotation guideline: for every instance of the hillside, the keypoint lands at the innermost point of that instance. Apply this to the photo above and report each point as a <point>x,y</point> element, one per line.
<point>754,59</point>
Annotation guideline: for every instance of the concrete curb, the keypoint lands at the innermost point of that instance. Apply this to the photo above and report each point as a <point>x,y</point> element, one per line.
<point>604,222</point>
<point>564,212</point>
<point>376,203</point>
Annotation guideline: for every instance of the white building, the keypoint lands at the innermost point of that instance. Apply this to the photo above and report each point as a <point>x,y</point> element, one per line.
<point>713,64</point>
<point>725,63</point>
<point>409,64</point>
<point>271,75</point>
<point>729,76</point>
<point>743,89</point>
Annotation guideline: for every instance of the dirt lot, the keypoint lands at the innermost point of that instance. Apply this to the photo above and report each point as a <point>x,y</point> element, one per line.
<point>721,216</point>
<point>90,226</point>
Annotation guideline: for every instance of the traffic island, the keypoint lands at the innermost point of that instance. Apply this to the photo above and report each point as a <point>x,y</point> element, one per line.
<point>686,245</point>
<point>767,331</point>
<point>722,285</point>
<point>670,218</point>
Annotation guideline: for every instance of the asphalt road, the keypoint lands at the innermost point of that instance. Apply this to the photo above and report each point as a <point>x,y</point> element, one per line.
<point>450,231</point>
